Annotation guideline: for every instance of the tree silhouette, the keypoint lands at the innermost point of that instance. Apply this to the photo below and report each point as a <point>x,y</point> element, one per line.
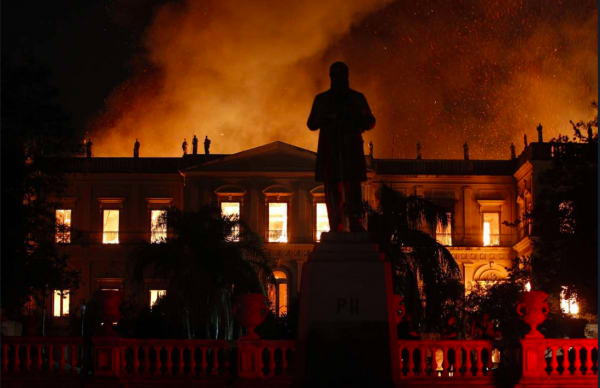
<point>204,267</point>
<point>424,271</point>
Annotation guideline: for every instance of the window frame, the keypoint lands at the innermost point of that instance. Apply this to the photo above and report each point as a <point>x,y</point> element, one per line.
<point>277,305</point>
<point>483,212</point>
<point>69,232</point>
<point>61,294</point>
<point>111,204</point>
<point>450,213</point>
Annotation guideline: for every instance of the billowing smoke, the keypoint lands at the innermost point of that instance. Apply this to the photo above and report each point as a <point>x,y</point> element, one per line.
<point>438,72</point>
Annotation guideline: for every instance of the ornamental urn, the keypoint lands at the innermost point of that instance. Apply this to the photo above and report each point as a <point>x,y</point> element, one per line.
<point>533,308</point>
<point>250,310</point>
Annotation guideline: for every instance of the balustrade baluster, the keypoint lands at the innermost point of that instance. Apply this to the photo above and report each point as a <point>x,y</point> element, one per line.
<point>61,362</point>
<point>4,358</point>
<point>479,365</point>
<point>468,364</point>
<point>123,363</point>
<point>192,360</point>
<point>157,361</point>
<point>554,361</point>
<point>17,359</point>
<point>215,368</point>
<point>169,365</point>
<point>73,361</point>
<point>147,362</point>
<point>284,360</point>
<point>39,360</point>
<point>271,366</point>
<point>226,355</point>
<point>204,363</point>
<point>423,361</point>
<point>457,360</point>
<point>411,362</point>
<point>181,363</point>
<point>577,363</point>
<point>27,358</point>
<point>50,358</point>
<point>136,359</point>
<point>588,361</point>
<point>261,363</point>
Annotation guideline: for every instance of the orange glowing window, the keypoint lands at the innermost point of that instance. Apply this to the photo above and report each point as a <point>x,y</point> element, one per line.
<point>63,226</point>
<point>278,293</point>
<point>322,220</point>
<point>444,235</point>
<point>568,305</point>
<point>158,226</point>
<point>278,222</point>
<point>110,227</point>
<point>491,229</point>
<point>60,303</point>
<point>232,209</point>
<point>155,295</point>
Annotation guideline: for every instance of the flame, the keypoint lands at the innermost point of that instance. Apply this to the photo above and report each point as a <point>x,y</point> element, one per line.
<point>245,74</point>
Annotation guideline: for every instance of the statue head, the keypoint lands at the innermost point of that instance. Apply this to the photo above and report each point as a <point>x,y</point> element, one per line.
<point>339,73</point>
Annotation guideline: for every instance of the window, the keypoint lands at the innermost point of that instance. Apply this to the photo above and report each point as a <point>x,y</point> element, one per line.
<point>491,229</point>
<point>60,303</point>
<point>278,293</point>
<point>232,209</point>
<point>158,226</point>
<point>110,226</point>
<point>444,235</point>
<point>155,295</point>
<point>566,217</point>
<point>63,226</point>
<point>568,305</point>
<point>278,222</point>
<point>322,221</point>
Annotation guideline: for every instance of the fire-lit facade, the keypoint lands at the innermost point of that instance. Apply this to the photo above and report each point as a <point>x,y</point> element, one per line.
<point>112,205</point>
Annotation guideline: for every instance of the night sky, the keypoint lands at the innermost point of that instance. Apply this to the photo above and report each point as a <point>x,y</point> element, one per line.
<point>438,72</point>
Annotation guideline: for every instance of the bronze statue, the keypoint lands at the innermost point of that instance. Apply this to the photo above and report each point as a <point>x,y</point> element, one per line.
<point>466,151</point>
<point>207,145</point>
<point>513,151</point>
<point>342,115</point>
<point>88,148</point>
<point>195,145</point>
<point>371,149</point>
<point>136,149</point>
<point>184,147</point>
<point>540,133</point>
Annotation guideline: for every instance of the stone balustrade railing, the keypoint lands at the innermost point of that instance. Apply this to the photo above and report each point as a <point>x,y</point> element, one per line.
<point>455,359</point>
<point>41,354</point>
<point>565,361</point>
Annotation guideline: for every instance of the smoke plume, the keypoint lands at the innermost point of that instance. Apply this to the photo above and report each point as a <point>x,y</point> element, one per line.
<point>439,72</point>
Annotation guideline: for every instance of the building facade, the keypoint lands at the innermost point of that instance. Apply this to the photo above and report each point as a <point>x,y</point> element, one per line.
<point>112,204</point>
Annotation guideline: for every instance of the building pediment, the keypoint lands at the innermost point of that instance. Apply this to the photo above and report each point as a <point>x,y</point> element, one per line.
<point>274,157</point>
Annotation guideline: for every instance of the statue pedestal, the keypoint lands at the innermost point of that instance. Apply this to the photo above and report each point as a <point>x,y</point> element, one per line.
<point>347,333</point>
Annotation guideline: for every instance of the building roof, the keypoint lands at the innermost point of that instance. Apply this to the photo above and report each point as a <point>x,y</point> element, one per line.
<point>443,167</point>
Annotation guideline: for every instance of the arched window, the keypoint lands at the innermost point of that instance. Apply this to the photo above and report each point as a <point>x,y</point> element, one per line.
<point>278,294</point>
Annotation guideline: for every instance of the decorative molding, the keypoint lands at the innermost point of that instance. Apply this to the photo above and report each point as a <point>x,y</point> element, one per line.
<point>111,203</point>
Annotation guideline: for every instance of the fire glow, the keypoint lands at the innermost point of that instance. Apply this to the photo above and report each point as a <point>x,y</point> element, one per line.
<point>439,72</point>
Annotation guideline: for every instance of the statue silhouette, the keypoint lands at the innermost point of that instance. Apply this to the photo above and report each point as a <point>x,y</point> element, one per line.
<point>342,114</point>
<point>88,148</point>
<point>195,145</point>
<point>206,145</point>
<point>184,147</point>
<point>136,149</point>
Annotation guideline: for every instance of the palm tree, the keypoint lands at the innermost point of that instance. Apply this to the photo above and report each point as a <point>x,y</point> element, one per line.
<point>424,271</point>
<point>204,268</point>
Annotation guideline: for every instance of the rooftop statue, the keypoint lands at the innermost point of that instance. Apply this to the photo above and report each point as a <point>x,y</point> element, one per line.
<point>342,115</point>
<point>136,149</point>
<point>540,133</point>
<point>466,151</point>
<point>207,145</point>
<point>419,150</point>
<point>88,148</point>
<point>184,147</point>
<point>513,151</point>
<point>195,145</point>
